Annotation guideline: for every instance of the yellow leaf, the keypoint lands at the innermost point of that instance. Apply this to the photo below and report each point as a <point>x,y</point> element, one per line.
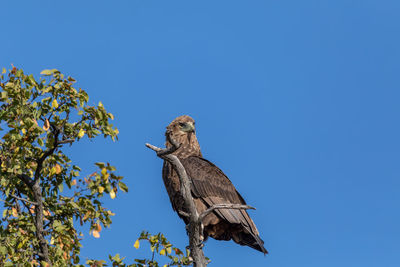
<point>101,189</point>
<point>110,213</point>
<point>24,131</point>
<point>112,194</point>
<point>165,265</point>
<point>86,215</point>
<point>52,241</point>
<point>81,133</point>
<point>136,245</point>
<point>98,227</point>
<point>46,72</point>
<point>73,182</point>
<point>46,125</point>
<point>54,104</point>
<point>103,171</point>
<point>96,234</point>
<point>4,71</point>
<point>14,212</point>
<point>162,252</point>
<point>52,171</point>
<point>58,169</point>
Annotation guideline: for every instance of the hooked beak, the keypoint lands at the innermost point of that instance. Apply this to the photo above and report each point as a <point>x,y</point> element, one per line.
<point>189,127</point>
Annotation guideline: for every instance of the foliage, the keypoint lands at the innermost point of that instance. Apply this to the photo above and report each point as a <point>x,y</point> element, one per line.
<point>159,245</point>
<point>38,118</point>
<point>44,197</point>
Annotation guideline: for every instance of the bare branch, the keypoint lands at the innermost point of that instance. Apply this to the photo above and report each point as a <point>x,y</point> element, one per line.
<point>156,149</point>
<point>66,141</point>
<point>164,151</point>
<point>194,227</point>
<point>23,199</point>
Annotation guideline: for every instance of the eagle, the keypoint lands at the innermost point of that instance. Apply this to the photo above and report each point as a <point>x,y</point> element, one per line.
<point>209,186</point>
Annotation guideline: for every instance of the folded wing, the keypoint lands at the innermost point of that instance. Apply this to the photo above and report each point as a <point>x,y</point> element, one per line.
<point>212,186</point>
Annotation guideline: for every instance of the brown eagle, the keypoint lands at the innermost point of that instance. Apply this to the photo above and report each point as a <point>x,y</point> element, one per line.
<point>209,186</point>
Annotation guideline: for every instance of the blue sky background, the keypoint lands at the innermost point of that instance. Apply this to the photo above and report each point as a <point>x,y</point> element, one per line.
<point>296,101</point>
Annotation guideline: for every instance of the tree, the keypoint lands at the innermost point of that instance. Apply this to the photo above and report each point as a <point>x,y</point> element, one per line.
<point>44,197</point>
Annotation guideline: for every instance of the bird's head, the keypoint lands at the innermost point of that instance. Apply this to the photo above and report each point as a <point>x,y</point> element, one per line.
<point>183,125</point>
<point>182,130</point>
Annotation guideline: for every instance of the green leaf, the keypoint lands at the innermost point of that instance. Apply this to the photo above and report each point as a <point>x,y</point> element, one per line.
<point>123,187</point>
<point>100,164</point>
<point>40,142</point>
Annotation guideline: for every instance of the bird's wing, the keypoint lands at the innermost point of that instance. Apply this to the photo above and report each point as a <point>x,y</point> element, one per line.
<point>211,185</point>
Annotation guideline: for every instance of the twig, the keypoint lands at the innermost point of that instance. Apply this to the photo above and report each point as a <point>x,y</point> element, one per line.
<point>66,141</point>
<point>23,199</point>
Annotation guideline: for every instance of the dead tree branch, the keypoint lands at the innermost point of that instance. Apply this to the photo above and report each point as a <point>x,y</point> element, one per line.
<point>194,228</point>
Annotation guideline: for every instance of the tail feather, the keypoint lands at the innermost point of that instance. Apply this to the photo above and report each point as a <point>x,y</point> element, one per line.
<point>253,241</point>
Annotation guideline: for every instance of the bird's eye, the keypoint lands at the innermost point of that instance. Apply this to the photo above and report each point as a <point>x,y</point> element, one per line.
<point>181,124</point>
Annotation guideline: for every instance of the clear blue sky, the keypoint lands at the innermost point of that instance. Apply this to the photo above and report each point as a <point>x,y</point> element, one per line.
<point>296,101</point>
